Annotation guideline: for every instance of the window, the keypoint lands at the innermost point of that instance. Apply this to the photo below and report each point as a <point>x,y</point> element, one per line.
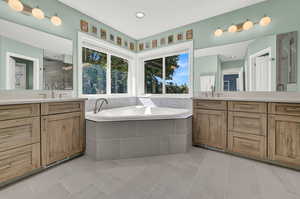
<point>154,76</point>
<point>103,73</point>
<point>119,75</point>
<point>167,75</point>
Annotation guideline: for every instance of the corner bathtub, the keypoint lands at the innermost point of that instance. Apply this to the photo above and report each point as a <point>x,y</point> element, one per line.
<point>138,113</point>
<point>137,131</point>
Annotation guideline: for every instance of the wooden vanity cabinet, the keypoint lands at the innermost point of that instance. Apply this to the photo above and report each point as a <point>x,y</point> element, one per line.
<point>247,129</point>
<point>210,123</point>
<point>284,133</point>
<point>63,131</point>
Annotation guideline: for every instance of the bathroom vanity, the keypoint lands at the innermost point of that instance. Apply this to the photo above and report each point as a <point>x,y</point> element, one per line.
<point>35,134</point>
<point>267,130</point>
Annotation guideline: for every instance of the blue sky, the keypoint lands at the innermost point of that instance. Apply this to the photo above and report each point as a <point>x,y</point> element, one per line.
<point>181,74</point>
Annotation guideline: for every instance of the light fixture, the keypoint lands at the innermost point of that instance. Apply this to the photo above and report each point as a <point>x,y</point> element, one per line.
<point>16,5</point>
<point>248,25</point>
<point>140,15</point>
<point>38,13</point>
<point>219,32</point>
<point>266,20</point>
<point>233,28</point>
<point>55,20</point>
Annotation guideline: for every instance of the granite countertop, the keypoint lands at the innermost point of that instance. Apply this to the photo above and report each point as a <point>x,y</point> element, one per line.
<point>32,101</point>
<point>252,99</point>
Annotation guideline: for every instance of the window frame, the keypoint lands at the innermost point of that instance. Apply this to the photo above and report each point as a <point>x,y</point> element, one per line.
<point>185,47</point>
<point>87,41</point>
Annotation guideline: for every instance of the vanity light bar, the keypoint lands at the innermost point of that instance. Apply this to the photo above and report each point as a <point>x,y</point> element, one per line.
<point>244,26</point>
<point>36,12</point>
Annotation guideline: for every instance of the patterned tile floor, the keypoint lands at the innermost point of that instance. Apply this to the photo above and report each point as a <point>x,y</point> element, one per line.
<point>199,174</point>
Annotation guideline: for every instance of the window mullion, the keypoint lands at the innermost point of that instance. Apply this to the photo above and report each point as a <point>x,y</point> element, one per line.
<point>108,75</point>
<point>164,75</point>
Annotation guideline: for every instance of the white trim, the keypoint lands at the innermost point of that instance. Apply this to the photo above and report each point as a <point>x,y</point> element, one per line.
<point>186,47</point>
<point>250,71</point>
<point>35,75</point>
<point>85,40</point>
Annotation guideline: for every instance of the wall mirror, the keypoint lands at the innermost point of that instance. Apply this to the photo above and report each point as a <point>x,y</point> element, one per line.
<point>267,63</point>
<point>34,60</point>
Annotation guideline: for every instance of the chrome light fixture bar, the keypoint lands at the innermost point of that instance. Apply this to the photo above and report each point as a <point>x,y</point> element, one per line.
<point>36,12</point>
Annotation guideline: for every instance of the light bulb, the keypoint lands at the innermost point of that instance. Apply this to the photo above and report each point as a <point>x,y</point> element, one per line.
<point>16,5</point>
<point>219,32</point>
<point>56,20</point>
<point>232,28</point>
<point>38,13</point>
<point>248,25</point>
<point>265,21</point>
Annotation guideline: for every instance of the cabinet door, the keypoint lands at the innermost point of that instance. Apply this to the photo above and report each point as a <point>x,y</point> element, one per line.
<point>210,128</point>
<point>284,139</point>
<point>62,136</point>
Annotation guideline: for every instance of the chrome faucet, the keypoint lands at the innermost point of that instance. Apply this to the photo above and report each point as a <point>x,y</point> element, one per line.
<point>98,107</point>
<point>213,90</point>
<point>53,88</point>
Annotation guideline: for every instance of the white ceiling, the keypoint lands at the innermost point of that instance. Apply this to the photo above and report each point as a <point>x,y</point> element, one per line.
<point>230,52</point>
<point>161,15</point>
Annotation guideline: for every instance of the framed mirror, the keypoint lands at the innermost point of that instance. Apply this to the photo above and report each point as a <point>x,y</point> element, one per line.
<point>34,60</point>
<point>264,64</point>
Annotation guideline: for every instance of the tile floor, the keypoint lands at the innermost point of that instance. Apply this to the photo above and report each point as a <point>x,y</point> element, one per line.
<point>199,174</point>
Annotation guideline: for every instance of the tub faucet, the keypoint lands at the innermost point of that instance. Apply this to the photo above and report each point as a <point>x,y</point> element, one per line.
<point>98,107</point>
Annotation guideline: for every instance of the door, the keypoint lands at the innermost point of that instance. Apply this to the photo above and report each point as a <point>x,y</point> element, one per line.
<point>210,128</point>
<point>230,82</point>
<point>20,76</point>
<point>284,139</point>
<point>262,73</point>
<point>62,136</point>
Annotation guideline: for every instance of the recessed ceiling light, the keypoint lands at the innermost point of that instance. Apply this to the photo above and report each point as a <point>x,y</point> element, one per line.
<point>140,15</point>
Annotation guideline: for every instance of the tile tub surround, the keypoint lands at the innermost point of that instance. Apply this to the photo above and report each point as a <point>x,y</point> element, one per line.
<point>130,139</point>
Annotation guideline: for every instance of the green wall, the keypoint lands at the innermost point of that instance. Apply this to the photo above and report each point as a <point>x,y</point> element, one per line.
<point>210,65</point>
<point>12,46</point>
<point>232,64</point>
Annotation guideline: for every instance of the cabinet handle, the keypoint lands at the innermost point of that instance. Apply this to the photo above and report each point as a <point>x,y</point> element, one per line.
<point>244,106</point>
<point>5,167</point>
<point>6,136</point>
<point>44,124</point>
<point>292,109</point>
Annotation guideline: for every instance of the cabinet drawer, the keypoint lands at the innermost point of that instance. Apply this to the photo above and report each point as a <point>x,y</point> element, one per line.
<point>248,145</point>
<point>17,162</point>
<point>253,107</point>
<point>20,132</point>
<point>247,123</point>
<point>8,112</point>
<point>210,104</point>
<point>284,109</point>
<point>61,107</point>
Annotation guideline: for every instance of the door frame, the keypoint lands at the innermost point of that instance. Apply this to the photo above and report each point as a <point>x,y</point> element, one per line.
<point>251,62</point>
<point>36,70</point>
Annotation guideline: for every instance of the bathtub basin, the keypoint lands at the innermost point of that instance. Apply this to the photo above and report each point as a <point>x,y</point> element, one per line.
<point>138,113</point>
